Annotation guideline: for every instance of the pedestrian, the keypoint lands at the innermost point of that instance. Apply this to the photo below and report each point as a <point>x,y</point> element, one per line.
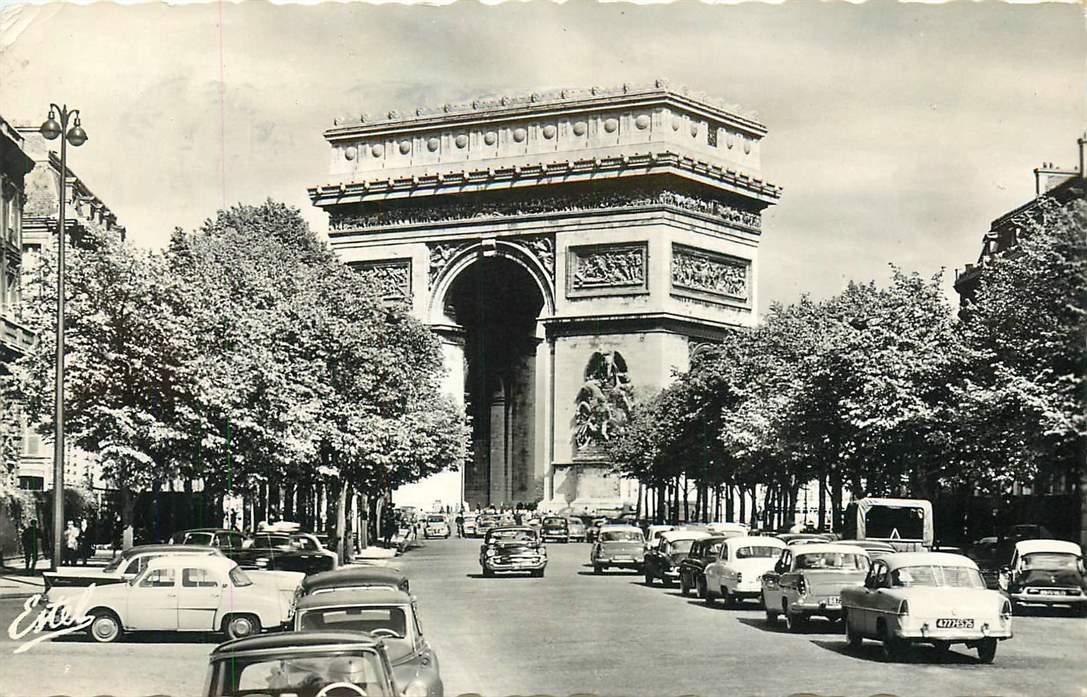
<point>71,544</point>
<point>30,538</point>
<point>86,540</point>
<point>388,524</point>
<point>460,524</point>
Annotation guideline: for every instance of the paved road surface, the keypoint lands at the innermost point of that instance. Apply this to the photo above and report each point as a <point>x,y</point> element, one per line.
<point>574,632</point>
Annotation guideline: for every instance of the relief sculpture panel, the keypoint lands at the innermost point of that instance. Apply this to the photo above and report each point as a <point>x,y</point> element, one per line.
<point>391,276</point>
<point>709,273</point>
<point>607,270</point>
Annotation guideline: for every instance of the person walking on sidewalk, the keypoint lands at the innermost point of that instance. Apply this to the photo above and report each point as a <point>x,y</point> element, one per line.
<point>30,538</point>
<point>71,544</point>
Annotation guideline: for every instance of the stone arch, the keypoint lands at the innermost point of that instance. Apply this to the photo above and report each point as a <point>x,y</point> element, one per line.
<point>473,252</point>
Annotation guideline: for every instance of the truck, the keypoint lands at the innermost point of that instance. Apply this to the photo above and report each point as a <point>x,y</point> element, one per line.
<point>905,524</point>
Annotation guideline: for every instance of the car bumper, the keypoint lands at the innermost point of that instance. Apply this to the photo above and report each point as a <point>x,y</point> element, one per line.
<point>516,565</point>
<point>619,561</point>
<point>1048,598</point>
<point>816,606</point>
<point>927,631</point>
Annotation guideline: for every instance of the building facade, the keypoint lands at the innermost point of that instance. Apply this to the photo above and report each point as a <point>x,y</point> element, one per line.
<point>571,249</point>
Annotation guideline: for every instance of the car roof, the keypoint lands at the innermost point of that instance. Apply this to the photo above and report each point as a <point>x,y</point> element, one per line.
<point>352,574</point>
<point>1059,546</point>
<point>169,549</point>
<point>901,559</point>
<point>377,595</point>
<point>619,528</point>
<point>296,640</point>
<point>828,547</point>
<point>869,545</point>
<point>503,528</point>
<point>222,563</point>
<point>675,535</point>
<point>755,541</point>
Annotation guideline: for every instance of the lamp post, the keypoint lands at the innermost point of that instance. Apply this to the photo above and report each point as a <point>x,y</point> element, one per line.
<point>52,129</point>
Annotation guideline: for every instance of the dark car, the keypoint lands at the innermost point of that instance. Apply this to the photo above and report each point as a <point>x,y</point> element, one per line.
<point>229,541</point>
<point>303,664</point>
<point>663,557</point>
<point>485,522</point>
<point>1047,573</point>
<point>592,529</point>
<point>512,549</point>
<point>555,528</point>
<point>993,554</point>
<point>693,565</point>
<point>285,552</point>
<point>389,614</point>
<point>354,576</point>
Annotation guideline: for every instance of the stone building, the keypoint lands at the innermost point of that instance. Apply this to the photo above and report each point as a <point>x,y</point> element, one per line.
<point>570,248</point>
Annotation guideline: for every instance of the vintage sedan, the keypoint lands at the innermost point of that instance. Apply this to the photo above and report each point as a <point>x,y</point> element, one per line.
<point>736,575</point>
<point>354,577</point>
<point>807,581</point>
<point>485,522</point>
<point>592,530</point>
<point>190,593</point>
<point>1046,572</point>
<point>436,525</point>
<point>389,614</point>
<point>124,567</point>
<point>303,664</point>
<point>556,528</point>
<point>513,549</point>
<point>300,552</point>
<point>926,597</point>
<point>577,529</point>
<point>692,566</point>
<point>470,525</point>
<point>662,559</point>
<point>618,546</point>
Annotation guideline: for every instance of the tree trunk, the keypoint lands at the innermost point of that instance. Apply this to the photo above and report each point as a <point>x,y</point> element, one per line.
<point>836,504</point>
<point>822,502</point>
<point>341,517</point>
<point>638,505</point>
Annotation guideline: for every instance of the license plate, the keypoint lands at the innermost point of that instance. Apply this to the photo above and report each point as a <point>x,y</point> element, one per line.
<point>835,601</point>
<point>954,623</point>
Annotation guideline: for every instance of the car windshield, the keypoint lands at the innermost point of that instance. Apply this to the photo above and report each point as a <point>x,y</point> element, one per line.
<point>621,536</point>
<point>757,552</point>
<point>679,546</point>
<point>116,562</point>
<point>1052,560</point>
<point>198,538</point>
<point>300,676</point>
<point>512,536</point>
<point>240,578</point>
<point>832,560</point>
<point>357,619</point>
<point>554,522</point>
<point>937,576</point>
<point>435,519</point>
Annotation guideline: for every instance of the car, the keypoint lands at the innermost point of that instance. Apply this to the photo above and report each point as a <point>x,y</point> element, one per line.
<point>728,529</point>
<point>592,530</point>
<point>391,615</point>
<point>470,525</point>
<point>653,533</point>
<point>123,567</point>
<point>485,522</point>
<point>993,554</point>
<point>807,581</point>
<point>577,529</point>
<point>555,528</point>
<point>662,559</point>
<point>514,548</point>
<point>694,564</point>
<point>801,538</point>
<point>354,577</point>
<point>436,525</point>
<point>303,664</point>
<point>736,574</point>
<point>188,593</point>
<point>926,597</point>
<point>229,541</point>
<point>1046,572</point>
<point>618,546</point>
<point>300,552</point>
<point>875,548</point>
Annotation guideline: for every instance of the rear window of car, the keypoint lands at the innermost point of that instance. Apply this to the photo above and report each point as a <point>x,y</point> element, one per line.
<point>757,552</point>
<point>1052,560</point>
<point>933,575</point>
<point>621,536</point>
<point>198,538</point>
<point>832,560</point>
<point>357,619</point>
<point>512,535</point>
<point>680,546</point>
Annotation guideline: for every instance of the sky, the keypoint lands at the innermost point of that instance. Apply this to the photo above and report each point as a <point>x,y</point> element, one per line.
<point>898,131</point>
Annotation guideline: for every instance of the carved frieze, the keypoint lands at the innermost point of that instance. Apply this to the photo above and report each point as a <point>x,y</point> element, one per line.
<point>543,248</point>
<point>709,273</point>
<point>391,276</point>
<point>441,253</point>
<point>607,269</point>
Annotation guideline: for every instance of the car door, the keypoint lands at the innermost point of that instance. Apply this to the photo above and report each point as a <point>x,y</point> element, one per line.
<point>713,570</point>
<point>771,581</point>
<point>152,601</point>
<point>870,607</point>
<point>198,598</point>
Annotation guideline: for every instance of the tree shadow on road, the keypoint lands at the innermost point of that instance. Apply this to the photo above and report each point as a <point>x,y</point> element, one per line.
<point>146,638</point>
<point>778,626</point>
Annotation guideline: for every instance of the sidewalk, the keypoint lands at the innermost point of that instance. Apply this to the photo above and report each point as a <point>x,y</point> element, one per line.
<point>15,582</point>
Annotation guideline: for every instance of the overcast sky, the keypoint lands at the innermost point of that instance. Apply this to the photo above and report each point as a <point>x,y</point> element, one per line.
<point>897,131</point>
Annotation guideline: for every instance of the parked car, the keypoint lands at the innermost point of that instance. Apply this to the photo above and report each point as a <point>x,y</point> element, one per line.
<point>354,577</point>
<point>993,554</point>
<point>389,614</point>
<point>189,593</point>
<point>513,549</point>
<point>694,564</point>
<point>875,548</point>
<point>926,597</point>
<point>470,525</point>
<point>300,552</point>
<point>618,546</point>
<point>227,540</point>
<point>662,559</point>
<point>576,529</point>
<point>1046,572</point>
<point>123,567</point>
<point>736,575</point>
<point>556,528</point>
<point>303,664</point>
<point>807,581</point>
<point>436,525</point>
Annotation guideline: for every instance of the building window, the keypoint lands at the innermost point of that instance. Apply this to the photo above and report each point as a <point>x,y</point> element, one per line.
<point>32,483</point>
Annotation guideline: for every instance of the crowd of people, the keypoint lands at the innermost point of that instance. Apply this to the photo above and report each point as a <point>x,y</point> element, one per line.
<point>77,543</point>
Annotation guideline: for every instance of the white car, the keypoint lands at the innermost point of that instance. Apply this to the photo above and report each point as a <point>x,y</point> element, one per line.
<point>470,525</point>
<point>926,597</point>
<point>736,575</point>
<point>436,526</point>
<point>189,594</point>
<point>808,580</point>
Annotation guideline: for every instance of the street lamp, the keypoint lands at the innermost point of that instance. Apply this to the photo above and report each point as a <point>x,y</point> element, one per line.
<point>51,129</point>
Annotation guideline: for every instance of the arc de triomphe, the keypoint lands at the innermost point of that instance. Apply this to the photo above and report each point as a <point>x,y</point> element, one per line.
<point>570,248</point>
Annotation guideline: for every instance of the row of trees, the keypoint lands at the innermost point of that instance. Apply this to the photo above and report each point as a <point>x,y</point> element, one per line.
<point>244,355</point>
<point>883,390</point>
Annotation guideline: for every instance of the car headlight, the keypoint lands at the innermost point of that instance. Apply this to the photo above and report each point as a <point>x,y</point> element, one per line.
<point>262,561</point>
<point>417,688</point>
<point>490,552</point>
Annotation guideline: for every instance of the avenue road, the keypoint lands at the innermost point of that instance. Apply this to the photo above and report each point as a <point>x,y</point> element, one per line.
<point>573,632</point>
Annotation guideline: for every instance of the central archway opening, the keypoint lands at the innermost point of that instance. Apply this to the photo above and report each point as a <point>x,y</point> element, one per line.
<point>498,303</point>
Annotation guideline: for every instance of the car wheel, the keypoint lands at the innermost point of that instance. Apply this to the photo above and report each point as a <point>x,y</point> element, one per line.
<point>728,596</point>
<point>241,626</point>
<point>667,582</point>
<point>1077,610</point>
<point>105,628</point>
<point>648,579</point>
<point>795,622</point>
<point>597,569</point>
<point>684,587</point>
<point>704,592</point>
<point>771,615</point>
<point>538,573</point>
<point>891,645</point>
<point>852,636</point>
<point>987,650</point>
<point>942,647</point>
